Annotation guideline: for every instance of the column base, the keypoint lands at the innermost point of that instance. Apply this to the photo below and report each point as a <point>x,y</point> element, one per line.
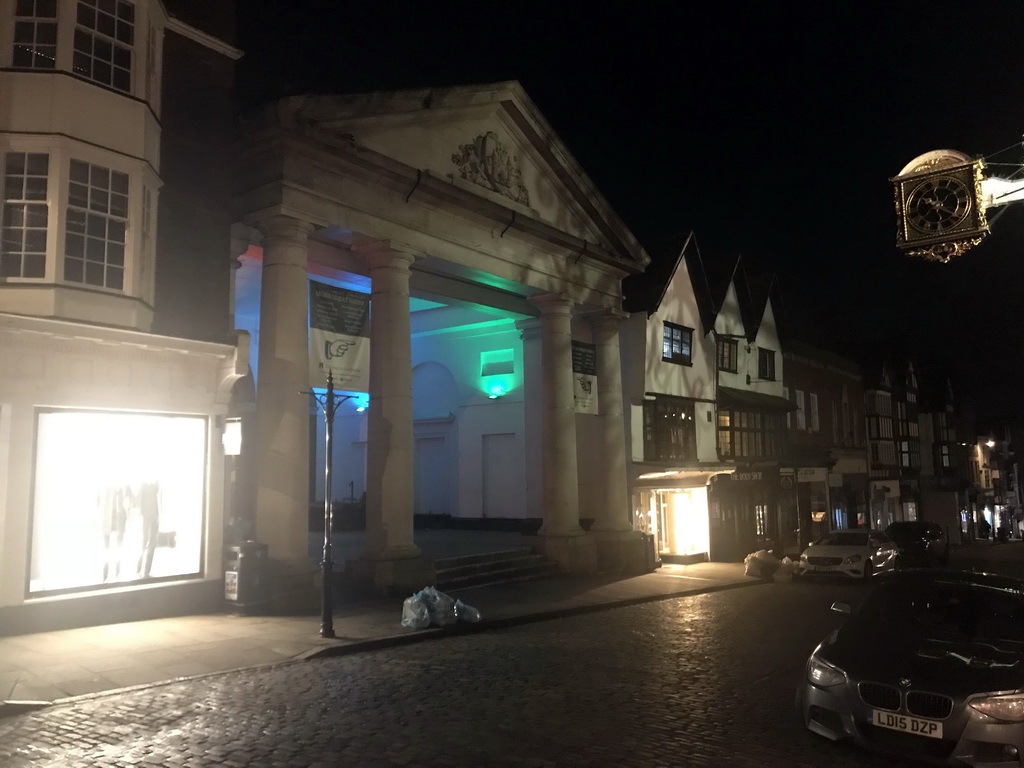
<point>575,554</point>
<point>626,552</point>
<point>392,577</point>
<point>294,587</point>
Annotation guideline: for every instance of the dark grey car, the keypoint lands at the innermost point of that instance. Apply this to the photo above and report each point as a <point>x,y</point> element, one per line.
<point>931,667</point>
<point>921,543</point>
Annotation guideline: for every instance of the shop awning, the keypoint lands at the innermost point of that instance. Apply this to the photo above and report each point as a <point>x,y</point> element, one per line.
<point>752,401</point>
<point>679,478</point>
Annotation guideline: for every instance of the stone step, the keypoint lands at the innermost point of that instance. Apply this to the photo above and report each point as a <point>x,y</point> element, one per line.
<point>447,570</point>
<point>490,576</point>
<point>482,557</point>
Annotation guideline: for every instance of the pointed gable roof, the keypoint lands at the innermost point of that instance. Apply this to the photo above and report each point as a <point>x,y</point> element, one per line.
<point>487,141</point>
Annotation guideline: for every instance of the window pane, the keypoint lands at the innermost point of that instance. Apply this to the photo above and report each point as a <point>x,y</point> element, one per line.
<point>94,273</point>
<point>115,278</point>
<point>73,270</point>
<point>35,265</point>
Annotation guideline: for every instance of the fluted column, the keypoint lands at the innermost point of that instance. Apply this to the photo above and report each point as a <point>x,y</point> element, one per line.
<point>389,462</point>
<point>612,515</point>
<point>282,414</point>
<point>559,492</point>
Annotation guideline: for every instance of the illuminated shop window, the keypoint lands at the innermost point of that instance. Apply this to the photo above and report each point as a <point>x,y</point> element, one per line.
<point>35,34</point>
<point>25,216</point>
<point>97,214</point>
<point>119,499</point>
<point>104,39</point>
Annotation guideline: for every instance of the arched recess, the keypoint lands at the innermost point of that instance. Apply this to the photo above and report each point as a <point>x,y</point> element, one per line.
<point>434,403</point>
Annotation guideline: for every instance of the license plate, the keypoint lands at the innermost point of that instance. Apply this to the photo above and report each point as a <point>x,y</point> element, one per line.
<point>823,567</point>
<point>896,722</point>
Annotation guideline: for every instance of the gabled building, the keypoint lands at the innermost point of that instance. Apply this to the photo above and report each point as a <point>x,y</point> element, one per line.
<point>670,381</point>
<point>945,469</point>
<point>894,443</point>
<point>754,508</point>
<point>826,440</point>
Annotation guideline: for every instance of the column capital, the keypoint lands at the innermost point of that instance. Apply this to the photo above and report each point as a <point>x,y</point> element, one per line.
<point>552,303</point>
<point>282,227</point>
<point>384,254</point>
<point>529,328</point>
<point>607,318</point>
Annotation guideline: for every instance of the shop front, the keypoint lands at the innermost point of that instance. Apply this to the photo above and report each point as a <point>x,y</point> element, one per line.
<point>112,509</point>
<point>752,509</point>
<point>673,508</point>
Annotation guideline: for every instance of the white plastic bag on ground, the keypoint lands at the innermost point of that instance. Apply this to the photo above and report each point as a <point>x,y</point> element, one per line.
<point>414,613</point>
<point>785,570</point>
<point>428,607</point>
<point>761,564</point>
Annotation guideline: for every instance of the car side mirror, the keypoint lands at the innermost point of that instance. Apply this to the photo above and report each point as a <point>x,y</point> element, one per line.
<point>843,608</point>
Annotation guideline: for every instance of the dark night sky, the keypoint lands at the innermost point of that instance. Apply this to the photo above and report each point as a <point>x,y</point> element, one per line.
<point>769,128</point>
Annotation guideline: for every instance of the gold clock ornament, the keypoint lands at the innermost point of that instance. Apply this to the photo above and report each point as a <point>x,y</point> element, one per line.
<point>939,207</point>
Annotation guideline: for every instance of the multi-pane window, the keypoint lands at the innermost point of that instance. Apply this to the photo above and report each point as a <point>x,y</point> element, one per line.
<point>910,454</point>
<point>749,434</point>
<point>669,429</point>
<point>104,39</point>
<point>25,215</point>
<point>801,413</point>
<point>944,457</point>
<point>812,422</point>
<point>97,215</point>
<point>35,34</point>
<point>677,344</point>
<point>879,427</point>
<point>883,453</point>
<point>766,364</point>
<point>728,354</point>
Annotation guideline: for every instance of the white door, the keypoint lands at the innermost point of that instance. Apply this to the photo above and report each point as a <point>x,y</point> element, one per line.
<point>431,490</point>
<point>502,487</point>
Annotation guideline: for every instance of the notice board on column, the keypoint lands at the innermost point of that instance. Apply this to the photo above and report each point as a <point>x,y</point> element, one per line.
<point>584,377</point>
<point>339,337</point>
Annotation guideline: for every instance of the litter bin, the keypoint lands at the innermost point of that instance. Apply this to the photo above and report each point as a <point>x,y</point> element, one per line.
<point>246,578</point>
<point>652,561</point>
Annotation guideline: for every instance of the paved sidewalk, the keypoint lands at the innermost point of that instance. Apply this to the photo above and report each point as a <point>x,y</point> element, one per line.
<point>56,666</point>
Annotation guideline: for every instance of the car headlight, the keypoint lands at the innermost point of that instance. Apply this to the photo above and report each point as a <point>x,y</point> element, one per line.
<point>823,674</point>
<point>803,558</point>
<point>852,559</point>
<point>1009,707</point>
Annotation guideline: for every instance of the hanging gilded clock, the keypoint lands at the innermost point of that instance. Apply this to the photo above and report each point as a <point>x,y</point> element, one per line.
<point>938,204</point>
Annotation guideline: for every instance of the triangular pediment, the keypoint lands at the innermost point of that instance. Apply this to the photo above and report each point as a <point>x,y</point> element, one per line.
<point>488,140</point>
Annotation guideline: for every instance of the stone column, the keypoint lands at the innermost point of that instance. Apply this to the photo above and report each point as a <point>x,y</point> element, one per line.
<point>282,414</point>
<point>530,333</point>
<point>390,560</point>
<point>614,513</point>
<point>619,547</point>
<point>561,537</point>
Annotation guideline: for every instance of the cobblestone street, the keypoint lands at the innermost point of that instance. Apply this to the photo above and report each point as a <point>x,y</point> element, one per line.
<point>706,680</point>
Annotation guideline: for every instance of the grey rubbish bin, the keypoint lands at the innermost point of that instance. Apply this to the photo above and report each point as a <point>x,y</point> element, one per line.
<point>246,578</point>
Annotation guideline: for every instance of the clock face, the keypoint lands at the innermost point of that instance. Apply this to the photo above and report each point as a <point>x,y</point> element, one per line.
<point>938,205</point>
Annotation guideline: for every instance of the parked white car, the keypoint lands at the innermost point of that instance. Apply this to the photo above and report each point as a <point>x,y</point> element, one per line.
<point>856,553</point>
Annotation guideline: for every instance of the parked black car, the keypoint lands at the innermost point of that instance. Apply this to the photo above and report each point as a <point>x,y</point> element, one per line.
<point>921,543</point>
<point>931,667</point>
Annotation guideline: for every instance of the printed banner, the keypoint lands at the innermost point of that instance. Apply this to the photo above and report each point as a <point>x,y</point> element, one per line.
<point>339,337</point>
<point>584,377</point>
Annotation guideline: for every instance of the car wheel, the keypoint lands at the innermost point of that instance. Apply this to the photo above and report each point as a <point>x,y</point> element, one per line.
<point>869,570</point>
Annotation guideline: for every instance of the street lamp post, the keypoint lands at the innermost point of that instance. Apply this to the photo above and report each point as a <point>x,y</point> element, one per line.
<point>330,402</point>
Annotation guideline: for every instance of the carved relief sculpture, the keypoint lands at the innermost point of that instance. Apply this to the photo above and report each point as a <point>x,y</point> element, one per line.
<point>488,162</point>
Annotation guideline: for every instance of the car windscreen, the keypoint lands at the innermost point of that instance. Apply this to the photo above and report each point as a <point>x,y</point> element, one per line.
<point>938,609</point>
<point>845,539</point>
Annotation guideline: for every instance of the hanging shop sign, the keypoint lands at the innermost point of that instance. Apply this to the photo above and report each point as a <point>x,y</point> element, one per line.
<point>119,499</point>
<point>339,337</point>
<point>584,377</point>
